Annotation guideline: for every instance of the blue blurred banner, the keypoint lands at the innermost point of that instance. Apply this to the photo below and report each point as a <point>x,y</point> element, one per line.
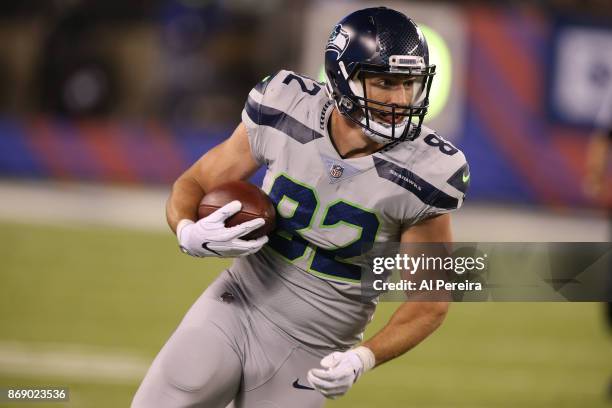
<point>580,71</point>
<point>126,152</point>
<point>505,72</point>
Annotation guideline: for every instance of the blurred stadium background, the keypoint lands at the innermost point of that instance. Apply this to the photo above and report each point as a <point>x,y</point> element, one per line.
<point>103,103</point>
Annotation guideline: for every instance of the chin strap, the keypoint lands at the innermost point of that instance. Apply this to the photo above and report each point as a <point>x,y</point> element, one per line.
<point>376,127</point>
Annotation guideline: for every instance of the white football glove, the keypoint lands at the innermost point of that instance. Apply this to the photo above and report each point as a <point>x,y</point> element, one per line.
<point>210,237</point>
<point>340,371</point>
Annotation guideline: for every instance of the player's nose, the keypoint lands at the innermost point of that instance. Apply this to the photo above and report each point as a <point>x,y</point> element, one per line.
<point>401,96</point>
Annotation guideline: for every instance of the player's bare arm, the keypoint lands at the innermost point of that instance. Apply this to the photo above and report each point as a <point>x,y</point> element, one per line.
<point>413,322</point>
<point>228,161</point>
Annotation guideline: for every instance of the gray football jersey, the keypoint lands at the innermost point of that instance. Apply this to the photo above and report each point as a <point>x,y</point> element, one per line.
<point>330,208</point>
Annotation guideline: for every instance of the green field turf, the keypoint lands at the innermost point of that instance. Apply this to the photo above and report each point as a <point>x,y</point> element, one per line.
<point>126,291</point>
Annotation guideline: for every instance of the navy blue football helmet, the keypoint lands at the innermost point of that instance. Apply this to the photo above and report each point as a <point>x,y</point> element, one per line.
<point>377,41</point>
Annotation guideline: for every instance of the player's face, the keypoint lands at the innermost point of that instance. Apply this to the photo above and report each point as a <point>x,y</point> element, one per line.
<point>389,89</point>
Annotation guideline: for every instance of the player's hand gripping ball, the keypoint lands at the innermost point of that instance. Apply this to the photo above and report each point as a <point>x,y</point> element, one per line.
<point>255,204</point>
<point>234,220</point>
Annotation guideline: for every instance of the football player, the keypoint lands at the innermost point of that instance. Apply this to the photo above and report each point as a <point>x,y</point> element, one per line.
<point>348,163</point>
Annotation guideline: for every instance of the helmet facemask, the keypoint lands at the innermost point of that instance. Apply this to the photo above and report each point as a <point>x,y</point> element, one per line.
<point>388,122</point>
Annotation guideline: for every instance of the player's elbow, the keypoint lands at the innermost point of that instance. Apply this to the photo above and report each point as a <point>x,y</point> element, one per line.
<point>436,311</point>
<point>442,308</point>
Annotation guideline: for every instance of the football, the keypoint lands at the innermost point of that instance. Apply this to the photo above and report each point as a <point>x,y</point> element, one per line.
<point>255,204</point>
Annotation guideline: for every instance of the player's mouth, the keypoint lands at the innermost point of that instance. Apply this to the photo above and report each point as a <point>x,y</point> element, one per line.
<point>387,118</point>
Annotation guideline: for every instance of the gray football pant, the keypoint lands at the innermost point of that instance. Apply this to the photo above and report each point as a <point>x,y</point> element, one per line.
<point>226,351</point>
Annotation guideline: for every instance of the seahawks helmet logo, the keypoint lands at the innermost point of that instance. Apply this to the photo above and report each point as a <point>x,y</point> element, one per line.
<point>338,41</point>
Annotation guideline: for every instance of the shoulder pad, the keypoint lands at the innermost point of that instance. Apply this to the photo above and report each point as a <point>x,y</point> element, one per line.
<point>285,90</point>
<point>438,165</point>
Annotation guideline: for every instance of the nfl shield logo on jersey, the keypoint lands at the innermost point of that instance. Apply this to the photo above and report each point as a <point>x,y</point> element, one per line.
<point>336,171</point>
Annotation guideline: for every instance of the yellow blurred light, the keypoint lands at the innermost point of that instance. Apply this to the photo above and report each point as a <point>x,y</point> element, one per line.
<point>440,55</point>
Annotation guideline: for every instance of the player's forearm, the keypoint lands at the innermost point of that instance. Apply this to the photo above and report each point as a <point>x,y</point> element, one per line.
<point>410,324</point>
<point>183,201</point>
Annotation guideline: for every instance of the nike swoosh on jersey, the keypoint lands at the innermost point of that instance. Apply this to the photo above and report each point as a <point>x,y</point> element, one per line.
<point>299,386</point>
<point>461,178</point>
